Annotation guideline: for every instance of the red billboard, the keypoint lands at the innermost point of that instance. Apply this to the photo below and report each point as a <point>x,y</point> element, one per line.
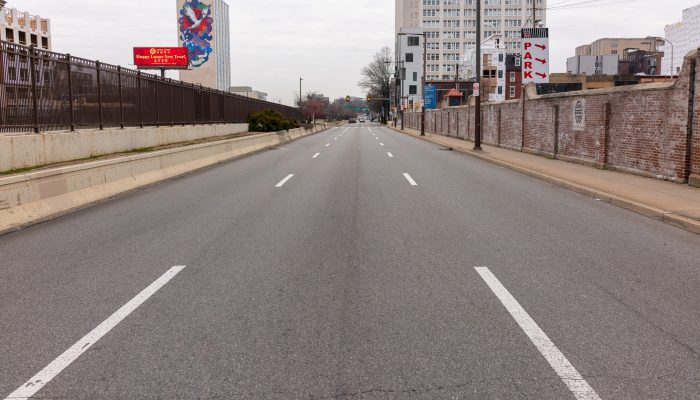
<point>161,57</point>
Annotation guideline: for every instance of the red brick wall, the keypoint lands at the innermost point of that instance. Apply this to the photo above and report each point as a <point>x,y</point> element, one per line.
<point>647,132</point>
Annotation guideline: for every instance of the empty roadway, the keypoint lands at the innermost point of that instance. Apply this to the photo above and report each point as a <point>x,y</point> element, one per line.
<point>352,263</point>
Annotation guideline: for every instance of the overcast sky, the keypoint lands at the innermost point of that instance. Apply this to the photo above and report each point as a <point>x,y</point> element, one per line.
<point>327,42</point>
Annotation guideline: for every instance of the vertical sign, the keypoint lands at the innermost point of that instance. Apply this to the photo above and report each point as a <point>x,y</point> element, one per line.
<point>535,53</point>
<point>430,97</point>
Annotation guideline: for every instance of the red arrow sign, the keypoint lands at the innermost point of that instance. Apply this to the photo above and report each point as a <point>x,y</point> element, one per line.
<point>541,46</point>
<point>541,75</point>
<point>541,60</point>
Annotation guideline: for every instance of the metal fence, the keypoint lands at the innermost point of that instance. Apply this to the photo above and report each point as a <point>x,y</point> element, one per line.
<point>43,91</point>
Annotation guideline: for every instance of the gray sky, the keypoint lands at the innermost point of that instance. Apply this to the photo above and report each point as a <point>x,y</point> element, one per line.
<point>327,42</point>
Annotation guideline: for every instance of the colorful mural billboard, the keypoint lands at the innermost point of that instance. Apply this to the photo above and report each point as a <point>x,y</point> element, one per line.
<point>196,26</point>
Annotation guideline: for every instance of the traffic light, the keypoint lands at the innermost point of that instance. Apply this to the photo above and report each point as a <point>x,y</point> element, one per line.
<point>369,98</point>
<point>347,99</point>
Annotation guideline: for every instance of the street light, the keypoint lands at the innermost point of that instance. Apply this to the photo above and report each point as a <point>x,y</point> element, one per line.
<point>300,79</point>
<point>669,42</point>
<point>423,79</point>
<point>477,96</point>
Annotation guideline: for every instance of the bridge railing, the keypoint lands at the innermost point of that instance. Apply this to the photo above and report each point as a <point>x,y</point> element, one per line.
<point>44,91</point>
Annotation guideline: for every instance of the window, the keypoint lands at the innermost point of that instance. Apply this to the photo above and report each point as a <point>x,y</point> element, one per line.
<point>45,43</point>
<point>34,40</point>
<point>413,89</point>
<point>517,61</point>
<point>22,38</point>
<point>512,76</point>
<point>413,41</point>
<point>500,57</point>
<point>512,90</point>
<point>500,90</point>
<point>415,76</point>
<point>500,74</point>
<point>12,73</point>
<point>409,57</point>
<point>10,34</point>
<point>24,75</point>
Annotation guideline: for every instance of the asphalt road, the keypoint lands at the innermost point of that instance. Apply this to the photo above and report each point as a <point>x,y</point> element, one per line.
<point>355,263</point>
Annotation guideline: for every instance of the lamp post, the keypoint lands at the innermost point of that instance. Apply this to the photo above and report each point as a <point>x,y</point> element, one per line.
<point>423,79</point>
<point>477,96</point>
<point>300,79</point>
<point>673,73</point>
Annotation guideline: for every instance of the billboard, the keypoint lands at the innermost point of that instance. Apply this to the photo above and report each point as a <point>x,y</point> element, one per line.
<point>535,52</point>
<point>161,57</point>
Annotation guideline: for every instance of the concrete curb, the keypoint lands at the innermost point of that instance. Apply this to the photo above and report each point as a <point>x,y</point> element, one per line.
<point>665,216</point>
<point>35,197</point>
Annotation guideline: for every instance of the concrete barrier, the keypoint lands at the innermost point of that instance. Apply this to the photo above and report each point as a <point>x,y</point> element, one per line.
<point>41,195</point>
<point>29,151</point>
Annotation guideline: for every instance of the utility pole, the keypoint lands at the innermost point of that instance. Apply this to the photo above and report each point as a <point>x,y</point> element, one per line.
<point>422,89</point>
<point>477,96</point>
<point>534,14</point>
<point>300,79</point>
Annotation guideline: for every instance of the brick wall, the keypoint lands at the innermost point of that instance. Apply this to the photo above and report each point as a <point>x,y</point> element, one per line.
<point>641,129</point>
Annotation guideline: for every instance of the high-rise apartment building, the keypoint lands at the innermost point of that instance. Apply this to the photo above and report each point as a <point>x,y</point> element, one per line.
<point>685,36</point>
<point>450,27</point>
<point>203,27</point>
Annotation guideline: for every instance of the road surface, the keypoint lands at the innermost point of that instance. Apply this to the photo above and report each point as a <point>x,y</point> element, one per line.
<point>355,263</point>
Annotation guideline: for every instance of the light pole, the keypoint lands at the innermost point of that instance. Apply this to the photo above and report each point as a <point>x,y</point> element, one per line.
<point>423,79</point>
<point>669,42</point>
<point>477,96</point>
<point>300,79</point>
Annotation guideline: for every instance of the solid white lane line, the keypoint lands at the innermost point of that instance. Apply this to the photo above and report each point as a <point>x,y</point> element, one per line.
<point>346,129</point>
<point>370,130</point>
<point>33,385</point>
<point>568,374</point>
<point>390,155</point>
<point>283,181</point>
<point>409,179</point>
<point>328,144</point>
<point>316,155</point>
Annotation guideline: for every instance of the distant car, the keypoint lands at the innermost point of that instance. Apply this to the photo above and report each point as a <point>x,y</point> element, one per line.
<point>352,120</point>
<point>362,120</point>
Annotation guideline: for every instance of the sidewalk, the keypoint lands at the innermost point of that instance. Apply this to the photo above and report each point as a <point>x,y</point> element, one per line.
<point>669,202</point>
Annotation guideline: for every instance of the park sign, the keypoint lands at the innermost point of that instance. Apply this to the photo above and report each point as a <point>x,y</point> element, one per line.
<point>161,57</point>
<point>535,53</point>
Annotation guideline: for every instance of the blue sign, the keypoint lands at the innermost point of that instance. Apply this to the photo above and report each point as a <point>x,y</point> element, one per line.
<point>430,97</point>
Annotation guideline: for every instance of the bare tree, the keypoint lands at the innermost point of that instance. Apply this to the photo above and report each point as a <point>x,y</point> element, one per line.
<point>376,78</point>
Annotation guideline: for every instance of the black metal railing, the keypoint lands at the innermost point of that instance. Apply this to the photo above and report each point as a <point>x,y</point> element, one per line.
<point>45,91</point>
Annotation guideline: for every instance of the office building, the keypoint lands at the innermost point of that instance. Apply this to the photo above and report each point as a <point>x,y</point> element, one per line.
<point>247,91</point>
<point>616,46</point>
<point>593,65</point>
<point>685,36</point>
<point>25,29</point>
<point>203,27</point>
<point>450,27</point>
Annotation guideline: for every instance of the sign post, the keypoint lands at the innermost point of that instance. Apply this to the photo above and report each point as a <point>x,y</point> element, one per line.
<point>535,51</point>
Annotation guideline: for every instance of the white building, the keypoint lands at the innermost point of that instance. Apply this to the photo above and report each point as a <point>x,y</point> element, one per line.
<point>685,36</point>
<point>25,29</point>
<point>493,59</point>
<point>593,65</point>
<point>203,27</point>
<point>247,91</point>
<point>409,59</point>
<point>450,26</point>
